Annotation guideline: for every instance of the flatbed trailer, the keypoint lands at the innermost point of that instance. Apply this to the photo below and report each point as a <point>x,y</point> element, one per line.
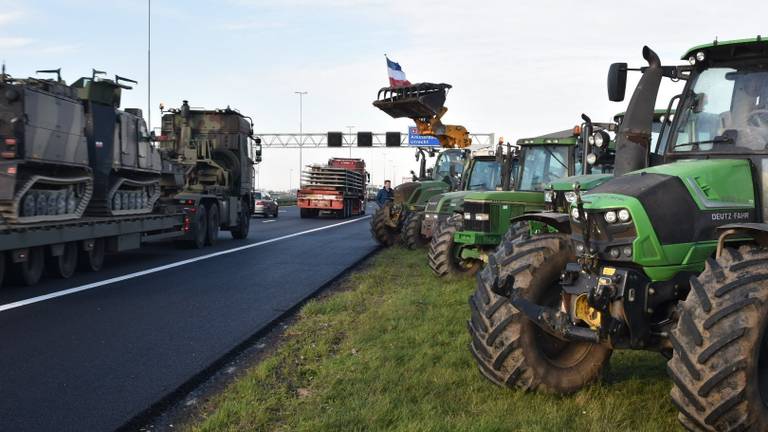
<point>338,188</point>
<point>26,249</point>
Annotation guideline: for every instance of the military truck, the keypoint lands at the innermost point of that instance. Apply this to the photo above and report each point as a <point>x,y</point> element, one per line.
<point>80,178</point>
<point>670,258</point>
<point>424,104</point>
<point>486,169</point>
<point>213,148</point>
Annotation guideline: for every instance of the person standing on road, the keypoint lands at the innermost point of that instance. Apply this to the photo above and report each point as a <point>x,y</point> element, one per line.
<point>385,194</point>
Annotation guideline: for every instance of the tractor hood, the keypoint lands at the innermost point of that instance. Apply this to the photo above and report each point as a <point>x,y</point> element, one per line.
<point>674,211</point>
<point>447,202</point>
<point>587,182</point>
<point>418,193</point>
<point>506,197</point>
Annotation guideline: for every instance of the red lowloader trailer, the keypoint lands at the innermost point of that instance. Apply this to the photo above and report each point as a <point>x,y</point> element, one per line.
<point>337,188</point>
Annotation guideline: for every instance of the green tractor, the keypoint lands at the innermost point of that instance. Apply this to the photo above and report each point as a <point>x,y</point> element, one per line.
<point>411,197</point>
<point>671,258</point>
<point>487,170</point>
<point>461,242</point>
<point>424,104</point>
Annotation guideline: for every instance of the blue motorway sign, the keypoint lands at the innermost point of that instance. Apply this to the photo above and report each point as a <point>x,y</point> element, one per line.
<point>414,139</point>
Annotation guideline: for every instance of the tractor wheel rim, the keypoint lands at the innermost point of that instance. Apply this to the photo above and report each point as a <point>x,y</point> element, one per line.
<point>557,352</point>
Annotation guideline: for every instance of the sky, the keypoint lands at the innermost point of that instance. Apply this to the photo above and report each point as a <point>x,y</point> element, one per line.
<point>518,69</point>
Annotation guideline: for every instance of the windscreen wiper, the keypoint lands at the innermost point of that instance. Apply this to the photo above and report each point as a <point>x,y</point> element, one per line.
<point>715,140</point>
<point>549,150</point>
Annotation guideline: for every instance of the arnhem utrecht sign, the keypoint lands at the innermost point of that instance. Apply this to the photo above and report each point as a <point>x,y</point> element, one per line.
<point>414,139</point>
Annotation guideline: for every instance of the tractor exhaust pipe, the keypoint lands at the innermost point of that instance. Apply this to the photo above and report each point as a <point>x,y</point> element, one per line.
<point>633,140</point>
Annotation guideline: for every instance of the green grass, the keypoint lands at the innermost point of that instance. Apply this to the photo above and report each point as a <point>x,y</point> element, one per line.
<point>390,353</point>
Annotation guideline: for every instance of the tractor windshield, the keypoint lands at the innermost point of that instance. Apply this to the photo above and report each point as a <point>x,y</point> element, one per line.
<point>485,175</point>
<point>444,163</point>
<point>725,110</point>
<point>542,164</point>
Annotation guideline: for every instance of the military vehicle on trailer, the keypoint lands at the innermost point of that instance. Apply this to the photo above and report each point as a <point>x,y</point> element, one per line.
<point>80,177</point>
<point>670,258</point>
<point>424,104</point>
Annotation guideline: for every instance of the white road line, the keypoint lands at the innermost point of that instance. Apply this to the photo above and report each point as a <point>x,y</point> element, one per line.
<point>268,221</point>
<point>32,300</point>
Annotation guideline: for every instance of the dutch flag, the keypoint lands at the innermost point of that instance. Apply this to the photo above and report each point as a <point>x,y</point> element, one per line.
<point>396,74</point>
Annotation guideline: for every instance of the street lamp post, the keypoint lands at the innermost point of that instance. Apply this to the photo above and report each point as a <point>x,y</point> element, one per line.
<point>349,128</point>
<point>301,126</point>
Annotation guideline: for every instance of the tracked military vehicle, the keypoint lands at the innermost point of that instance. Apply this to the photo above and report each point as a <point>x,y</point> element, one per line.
<point>44,161</point>
<point>126,167</point>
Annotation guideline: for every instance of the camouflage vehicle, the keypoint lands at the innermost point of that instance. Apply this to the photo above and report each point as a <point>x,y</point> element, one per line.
<point>213,147</point>
<point>43,151</point>
<point>81,178</point>
<point>126,167</point>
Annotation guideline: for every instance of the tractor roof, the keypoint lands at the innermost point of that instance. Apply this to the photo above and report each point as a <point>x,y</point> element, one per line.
<point>565,137</point>
<point>750,42</point>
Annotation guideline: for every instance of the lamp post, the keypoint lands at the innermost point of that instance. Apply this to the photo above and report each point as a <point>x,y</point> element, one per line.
<point>349,128</point>
<point>301,126</point>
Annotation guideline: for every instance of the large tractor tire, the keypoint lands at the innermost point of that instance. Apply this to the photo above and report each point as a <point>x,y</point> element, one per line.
<point>411,233</point>
<point>385,234</point>
<point>510,350</point>
<point>719,366</point>
<point>442,255</point>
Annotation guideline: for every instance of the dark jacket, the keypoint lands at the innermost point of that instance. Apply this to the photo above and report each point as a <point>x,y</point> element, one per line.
<point>384,196</point>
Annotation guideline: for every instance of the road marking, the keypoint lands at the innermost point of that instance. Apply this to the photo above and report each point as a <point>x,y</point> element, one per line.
<point>32,300</point>
<point>282,211</point>
<point>268,221</point>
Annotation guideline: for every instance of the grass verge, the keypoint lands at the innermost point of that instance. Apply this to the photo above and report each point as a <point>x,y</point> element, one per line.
<point>389,352</point>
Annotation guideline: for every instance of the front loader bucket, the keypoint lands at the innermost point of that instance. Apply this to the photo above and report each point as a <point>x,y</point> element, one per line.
<point>423,100</point>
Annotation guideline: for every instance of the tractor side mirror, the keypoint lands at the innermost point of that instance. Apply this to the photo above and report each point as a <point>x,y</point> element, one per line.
<point>617,82</point>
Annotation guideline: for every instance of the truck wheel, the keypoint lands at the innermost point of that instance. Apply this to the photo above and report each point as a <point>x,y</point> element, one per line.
<point>411,233</point>
<point>382,232</point>
<point>64,265</point>
<point>93,260</point>
<point>243,224</point>
<point>719,366</point>
<point>442,254</point>
<point>30,271</point>
<point>199,227</point>
<point>510,350</point>
<point>214,223</point>
<point>277,212</point>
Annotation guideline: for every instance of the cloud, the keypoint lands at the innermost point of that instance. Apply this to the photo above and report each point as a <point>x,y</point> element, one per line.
<point>10,43</point>
<point>10,16</point>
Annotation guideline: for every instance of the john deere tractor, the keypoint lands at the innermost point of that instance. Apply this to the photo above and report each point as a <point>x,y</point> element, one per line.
<point>671,258</point>
<point>460,244</point>
<point>424,104</point>
<point>487,169</point>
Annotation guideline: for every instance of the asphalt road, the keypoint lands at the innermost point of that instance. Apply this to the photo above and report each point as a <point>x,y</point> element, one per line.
<point>90,360</point>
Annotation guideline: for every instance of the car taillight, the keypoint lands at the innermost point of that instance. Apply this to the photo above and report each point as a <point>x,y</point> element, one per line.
<point>10,141</point>
<point>259,202</point>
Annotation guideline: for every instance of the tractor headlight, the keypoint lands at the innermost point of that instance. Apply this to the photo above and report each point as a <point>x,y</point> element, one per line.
<point>575,213</point>
<point>467,216</point>
<point>624,215</point>
<point>599,140</point>
<point>481,216</point>
<point>570,197</point>
<point>610,216</point>
<point>591,140</point>
<point>700,56</point>
<point>549,196</point>
<point>627,251</point>
<point>591,158</point>
<point>692,60</point>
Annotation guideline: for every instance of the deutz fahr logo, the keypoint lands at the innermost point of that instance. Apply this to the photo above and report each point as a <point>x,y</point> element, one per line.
<point>729,216</point>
